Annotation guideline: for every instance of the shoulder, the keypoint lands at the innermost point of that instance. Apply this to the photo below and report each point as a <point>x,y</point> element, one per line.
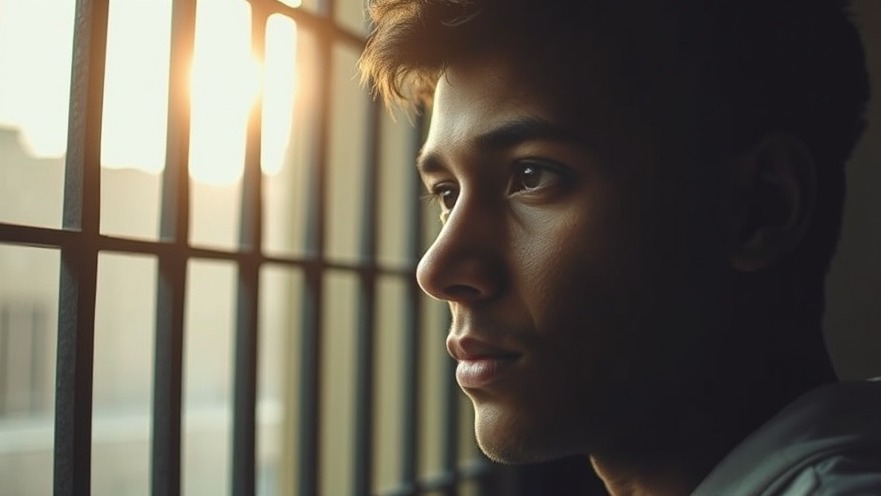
<point>844,474</point>
<point>828,442</point>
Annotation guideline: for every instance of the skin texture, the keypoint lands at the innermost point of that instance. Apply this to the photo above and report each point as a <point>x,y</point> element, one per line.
<point>619,287</point>
<point>558,247</point>
<point>595,262</point>
<point>620,262</point>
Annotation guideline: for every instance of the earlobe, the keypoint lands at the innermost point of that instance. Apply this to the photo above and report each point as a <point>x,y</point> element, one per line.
<point>776,185</point>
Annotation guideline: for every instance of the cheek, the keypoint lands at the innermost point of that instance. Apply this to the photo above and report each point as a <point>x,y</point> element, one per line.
<point>579,279</point>
<point>587,254</point>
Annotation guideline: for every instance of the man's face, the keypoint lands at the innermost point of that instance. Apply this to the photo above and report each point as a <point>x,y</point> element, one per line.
<point>565,255</point>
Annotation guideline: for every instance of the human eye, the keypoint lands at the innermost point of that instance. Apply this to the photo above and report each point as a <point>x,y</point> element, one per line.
<point>533,176</point>
<point>444,194</point>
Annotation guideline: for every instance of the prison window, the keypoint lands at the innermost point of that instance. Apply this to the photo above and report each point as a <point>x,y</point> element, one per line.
<point>208,237</point>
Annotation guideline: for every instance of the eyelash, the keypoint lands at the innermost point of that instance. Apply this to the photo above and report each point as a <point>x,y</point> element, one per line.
<point>437,192</point>
<point>520,168</point>
<point>436,195</point>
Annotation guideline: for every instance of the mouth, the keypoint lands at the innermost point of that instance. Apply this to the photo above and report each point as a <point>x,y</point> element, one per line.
<point>479,364</point>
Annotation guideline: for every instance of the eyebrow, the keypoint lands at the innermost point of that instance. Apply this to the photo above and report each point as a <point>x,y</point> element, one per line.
<point>507,135</point>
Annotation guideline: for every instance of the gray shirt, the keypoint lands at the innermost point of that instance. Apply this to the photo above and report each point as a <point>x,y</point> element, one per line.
<point>827,442</point>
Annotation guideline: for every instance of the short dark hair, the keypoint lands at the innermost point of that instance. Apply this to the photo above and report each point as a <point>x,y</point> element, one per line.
<point>790,66</point>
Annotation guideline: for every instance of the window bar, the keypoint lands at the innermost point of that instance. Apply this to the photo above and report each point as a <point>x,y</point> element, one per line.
<point>5,356</point>
<point>172,271</point>
<point>78,278</point>
<point>327,9</point>
<point>250,238</point>
<point>38,329</point>
<point>450,454</point>
<point>364,412</point>
<point>413,320</point>
<point>313,299</point>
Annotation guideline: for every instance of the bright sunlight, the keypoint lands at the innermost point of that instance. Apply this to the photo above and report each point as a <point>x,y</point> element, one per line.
<point>226,79</point>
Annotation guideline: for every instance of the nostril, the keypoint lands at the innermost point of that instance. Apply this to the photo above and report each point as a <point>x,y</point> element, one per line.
<point>462,291</point>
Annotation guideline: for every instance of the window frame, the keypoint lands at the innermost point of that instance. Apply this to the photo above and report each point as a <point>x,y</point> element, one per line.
<point>80,242</point>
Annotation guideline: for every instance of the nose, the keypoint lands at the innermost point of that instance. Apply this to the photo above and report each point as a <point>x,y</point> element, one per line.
<point>465,262</point>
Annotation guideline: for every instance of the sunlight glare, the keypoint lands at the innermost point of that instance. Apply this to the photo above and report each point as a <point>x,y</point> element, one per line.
<point>278,91</point>
<point>224,86</point>
<point>35,59</point>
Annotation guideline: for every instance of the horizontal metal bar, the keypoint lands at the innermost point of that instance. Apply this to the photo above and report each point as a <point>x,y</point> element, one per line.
<point>37,236</point>
<point>41,237</point>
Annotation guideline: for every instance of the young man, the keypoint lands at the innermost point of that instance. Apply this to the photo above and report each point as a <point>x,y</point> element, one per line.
<point>640,200</point>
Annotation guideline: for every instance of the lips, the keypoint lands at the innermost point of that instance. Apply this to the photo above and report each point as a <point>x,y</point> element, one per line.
<point>480,364</point>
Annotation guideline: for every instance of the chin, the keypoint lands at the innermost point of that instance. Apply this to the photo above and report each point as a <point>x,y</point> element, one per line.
<point>509,438</point>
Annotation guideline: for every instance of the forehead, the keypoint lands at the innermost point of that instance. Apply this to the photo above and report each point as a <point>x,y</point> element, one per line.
<point>578,100</point>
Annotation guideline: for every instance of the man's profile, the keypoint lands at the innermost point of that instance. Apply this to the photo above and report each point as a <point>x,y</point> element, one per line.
<point>640,201</point>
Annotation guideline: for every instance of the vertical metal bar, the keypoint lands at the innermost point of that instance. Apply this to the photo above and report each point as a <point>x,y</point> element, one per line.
<point>82,165</point>
<point>327,8</point>
<point>175,215</point>
<point>450,453</point>
<point>413,319</point>
<point>172,271</point>
<point>168,376</point>
<point>73,396</point>
<point>313,298</point>
<point>364,370</point>
<point>76,316</point>
<point>250,237</point>
<point>5,356</point>
<point>244,407</point>
<point>310,392</point>
<point>35,361</point>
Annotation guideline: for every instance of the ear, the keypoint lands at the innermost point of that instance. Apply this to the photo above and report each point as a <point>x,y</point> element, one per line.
<point>775,185</point>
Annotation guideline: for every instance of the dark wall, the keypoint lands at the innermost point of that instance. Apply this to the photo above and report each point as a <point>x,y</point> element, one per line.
<point>853,317</point>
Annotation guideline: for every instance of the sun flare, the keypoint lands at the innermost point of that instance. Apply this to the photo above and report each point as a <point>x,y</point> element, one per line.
<point>226,82</point>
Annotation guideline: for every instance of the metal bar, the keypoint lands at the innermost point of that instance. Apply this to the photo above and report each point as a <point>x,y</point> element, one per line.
<point>364,370</point>
<point>244,404</point>
<point>244,456</point>
<point>77,285</point>
<point>73,395</point>
<point>37,236</point>
<point>310,386</point>
<point>175,214</point>
<point>327,8</point>
<point>313,298</point>
<point>59,238</point>
<point>450,453</point>
<point>82,165</point>
<point>172,270</point>
<point>5,356</point>
<point>413,319</point>
<point>35,360</point>
<point>168,375</point>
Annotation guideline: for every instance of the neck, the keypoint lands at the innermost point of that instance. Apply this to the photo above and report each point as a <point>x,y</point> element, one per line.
<point>685,443</point>
<point>623,479</point>
<point>671,466</point>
